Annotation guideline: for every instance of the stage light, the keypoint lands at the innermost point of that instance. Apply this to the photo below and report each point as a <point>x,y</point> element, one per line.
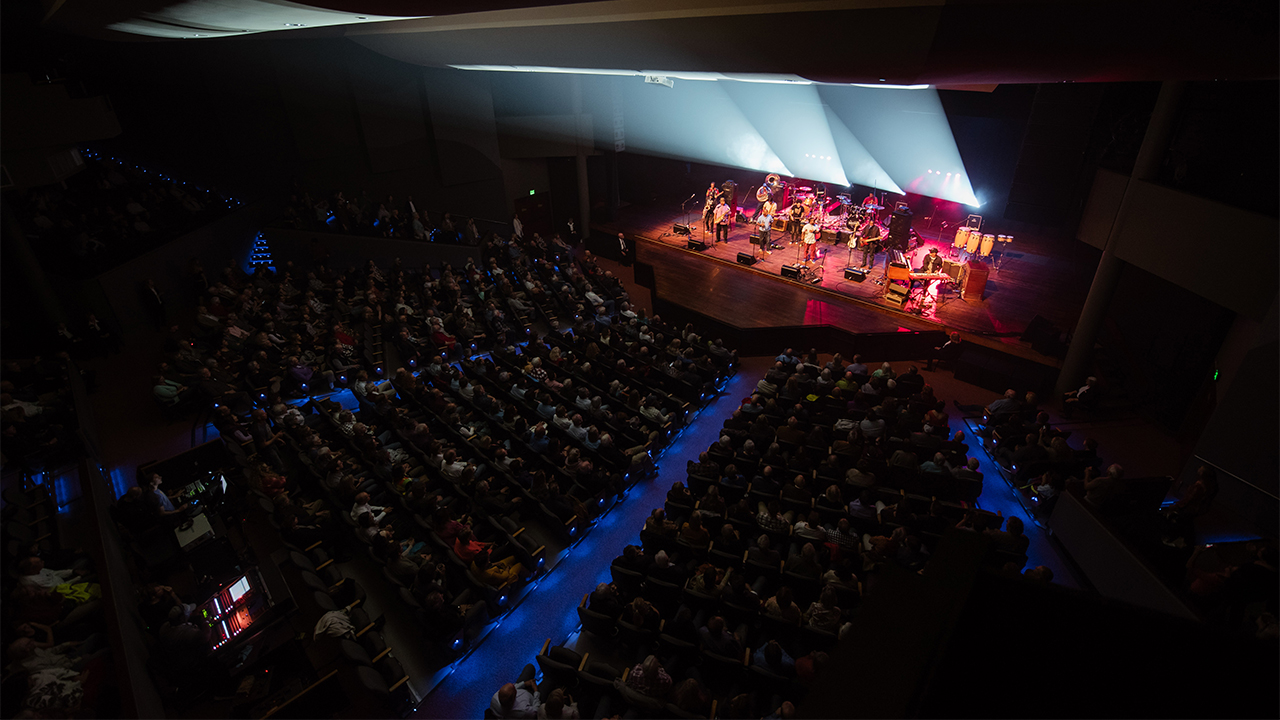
<point>792,121</point>
<point>696,121</point>
<point>903,129</point>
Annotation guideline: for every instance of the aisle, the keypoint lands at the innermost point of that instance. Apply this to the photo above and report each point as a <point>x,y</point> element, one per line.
<point>549,611</point>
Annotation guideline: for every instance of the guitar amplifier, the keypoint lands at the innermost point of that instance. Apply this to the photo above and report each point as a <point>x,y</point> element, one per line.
<point>954,270</point>
<point>855,274</point>
<point>756,240</point>
<point>779,223</point>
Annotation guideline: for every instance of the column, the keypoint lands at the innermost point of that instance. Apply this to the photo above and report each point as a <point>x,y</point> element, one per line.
<point>584,194</point>
<point>1154,143</point>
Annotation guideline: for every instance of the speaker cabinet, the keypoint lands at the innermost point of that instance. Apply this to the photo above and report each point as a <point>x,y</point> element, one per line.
<point>855,274</point>
<point>695,244</point>
<point>745,259</point>
<point>896,294</point>
<point>756,239</point>
<point>791,271</point>
<point>976,282</point>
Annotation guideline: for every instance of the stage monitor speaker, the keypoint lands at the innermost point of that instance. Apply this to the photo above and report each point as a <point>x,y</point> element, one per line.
<point>745,259</point>
<point>791,271</point>
<point>695,244</point>
<point>900,228</point>
<point>681,229</point>
<point>855,274</point>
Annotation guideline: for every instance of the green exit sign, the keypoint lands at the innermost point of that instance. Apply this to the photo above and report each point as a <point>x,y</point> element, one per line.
<point>532,192</point>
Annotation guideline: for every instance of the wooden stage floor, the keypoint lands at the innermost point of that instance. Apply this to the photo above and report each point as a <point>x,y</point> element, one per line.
<point>1046,277</point>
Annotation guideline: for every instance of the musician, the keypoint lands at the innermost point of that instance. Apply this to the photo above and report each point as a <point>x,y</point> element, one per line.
<point>765,229</point>
<point>932,262</point>
<point>870,199</point>
<point>795,224</point>
<point>870,238</point>
<point>708,209</point>
<point>722,220</point>
<point>810,234</point>
<point>769,207</point>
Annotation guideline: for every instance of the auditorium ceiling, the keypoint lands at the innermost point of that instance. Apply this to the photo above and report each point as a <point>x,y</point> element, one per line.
<point>944,42</point>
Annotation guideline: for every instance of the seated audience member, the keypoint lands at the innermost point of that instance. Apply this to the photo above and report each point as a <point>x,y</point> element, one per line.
<point>604,600</point>
<point>772,657</point>
<point>716,638</point>
<point>519,699</point>
<point>1102,491</point>
<point>1085,398</point>
<point>162,504</point>
<point>650,678</point>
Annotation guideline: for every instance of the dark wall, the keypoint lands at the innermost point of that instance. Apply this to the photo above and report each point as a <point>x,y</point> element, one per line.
<point>258,116</point>
<point>988,129</point>
<point>1160,342</point>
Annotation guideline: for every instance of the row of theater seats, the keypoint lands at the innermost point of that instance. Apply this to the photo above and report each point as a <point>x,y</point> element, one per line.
<point>414,495</point>
<point>449,382</point>
<point>754,548</point>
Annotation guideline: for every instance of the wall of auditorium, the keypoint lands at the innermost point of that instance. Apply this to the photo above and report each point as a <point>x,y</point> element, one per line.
<point>1222,253</point>
<point>1240,429</point>
<point>117,295</point>
<point>259,115</point>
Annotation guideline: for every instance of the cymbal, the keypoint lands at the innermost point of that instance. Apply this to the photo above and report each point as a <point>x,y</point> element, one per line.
<point>873,207</point>
<point>804,188</point>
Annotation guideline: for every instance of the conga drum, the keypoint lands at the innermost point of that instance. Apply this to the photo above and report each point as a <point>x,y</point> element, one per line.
<point>988,241</point>
<point>962,236</point>
<point>971,243</point>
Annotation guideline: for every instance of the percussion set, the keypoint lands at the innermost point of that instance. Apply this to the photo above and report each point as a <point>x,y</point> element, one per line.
<point>973,242</point>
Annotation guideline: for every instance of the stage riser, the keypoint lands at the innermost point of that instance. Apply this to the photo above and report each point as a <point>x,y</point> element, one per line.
<point>874,347</point>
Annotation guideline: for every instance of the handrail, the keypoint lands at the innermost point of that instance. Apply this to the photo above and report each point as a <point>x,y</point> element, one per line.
<point>1237,477</point>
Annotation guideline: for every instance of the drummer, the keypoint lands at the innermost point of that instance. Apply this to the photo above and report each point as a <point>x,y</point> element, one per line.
<point>870,199</point>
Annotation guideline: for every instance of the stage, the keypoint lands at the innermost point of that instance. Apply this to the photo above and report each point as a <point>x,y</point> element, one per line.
<point>1049,278</point>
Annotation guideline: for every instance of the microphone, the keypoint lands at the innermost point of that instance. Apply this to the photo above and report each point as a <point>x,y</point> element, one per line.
<point>692,197</point>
